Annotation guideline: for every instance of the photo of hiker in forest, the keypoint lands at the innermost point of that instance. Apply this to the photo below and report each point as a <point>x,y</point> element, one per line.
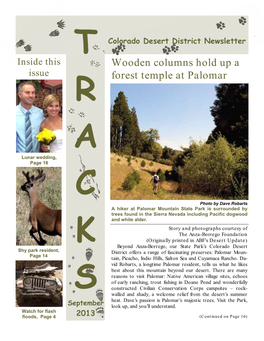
<point>194,137</point>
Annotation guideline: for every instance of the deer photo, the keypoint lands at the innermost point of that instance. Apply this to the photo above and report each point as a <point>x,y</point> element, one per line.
<point>42,218</point>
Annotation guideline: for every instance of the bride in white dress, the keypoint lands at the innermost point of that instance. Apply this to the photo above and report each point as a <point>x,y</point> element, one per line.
<point>53,121</point>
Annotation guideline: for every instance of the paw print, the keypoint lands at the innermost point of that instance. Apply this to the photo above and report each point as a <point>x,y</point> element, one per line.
<point>220,25</point>
<point>61,24</point>
<point>100,294</point>
<point>174,48</point>
<point>28,48</point>
<point>89,253</point>
<point>166,50</point>
<point>94,63</point>
<point>89,271</point>
<point>82,114</point>
<point>119,48</point>
<point>54,33</point>
<point>70,128</point>
<point>242,20</point>
<point>96,47</point>
<point>100,311</point>
<point>20,43</point>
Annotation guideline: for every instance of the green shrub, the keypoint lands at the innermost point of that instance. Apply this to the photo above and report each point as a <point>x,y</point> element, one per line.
<point>166,162</point>
<point>240,188</point>
<point>151,164</point>
<point>131,181</point>
<point>175,174</point>
<point>127,150</point>
<point>212,168</point>
<point>143,163</point>
<point>136,177</point>
<point>161,175</point>
<point>147,156</point>
<point>118,160</point>
<point>167,175</point>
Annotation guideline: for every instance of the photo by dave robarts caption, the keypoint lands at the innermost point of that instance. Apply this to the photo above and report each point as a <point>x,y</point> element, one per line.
<point>205,264</point>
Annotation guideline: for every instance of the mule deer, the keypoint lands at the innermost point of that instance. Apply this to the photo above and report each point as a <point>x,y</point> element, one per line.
<point>41,217</point>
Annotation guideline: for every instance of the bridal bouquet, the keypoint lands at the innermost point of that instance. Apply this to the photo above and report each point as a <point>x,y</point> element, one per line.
<point>46,137</point>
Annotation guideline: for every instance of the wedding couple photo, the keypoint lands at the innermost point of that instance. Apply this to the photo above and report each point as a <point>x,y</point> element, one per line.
<point>39,116</point>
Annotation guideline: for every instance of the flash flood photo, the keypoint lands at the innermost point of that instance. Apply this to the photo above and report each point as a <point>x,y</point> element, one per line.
<point>39,284</point>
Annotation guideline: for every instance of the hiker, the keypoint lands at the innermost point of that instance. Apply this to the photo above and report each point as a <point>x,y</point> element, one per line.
<point>155,182</point>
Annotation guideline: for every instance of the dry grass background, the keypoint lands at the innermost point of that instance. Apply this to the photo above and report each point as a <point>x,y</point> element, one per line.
<point>49,194</point>
<point>143,191</point>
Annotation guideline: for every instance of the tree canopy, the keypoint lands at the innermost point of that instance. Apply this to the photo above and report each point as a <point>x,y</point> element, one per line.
<point>126,135</point>
<point>230,113</point>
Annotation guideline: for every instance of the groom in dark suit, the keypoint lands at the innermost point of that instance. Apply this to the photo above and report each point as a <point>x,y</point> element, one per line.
<point>28,119</point>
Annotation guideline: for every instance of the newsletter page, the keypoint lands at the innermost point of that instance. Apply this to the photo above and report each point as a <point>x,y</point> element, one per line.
<point>137,174</point>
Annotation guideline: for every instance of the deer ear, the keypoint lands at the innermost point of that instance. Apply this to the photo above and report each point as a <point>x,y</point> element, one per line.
<point>42,178</point>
